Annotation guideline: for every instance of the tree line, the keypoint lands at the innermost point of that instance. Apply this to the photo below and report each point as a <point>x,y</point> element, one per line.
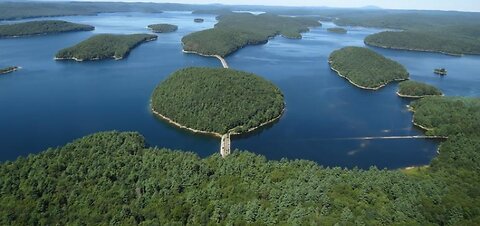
<point>104,46</point>
<point>236,30</point>
<point>366,68</point>
<point>41,27</point>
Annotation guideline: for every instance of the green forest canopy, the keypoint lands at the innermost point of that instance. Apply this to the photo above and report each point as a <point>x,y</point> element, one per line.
<point>217,100</point>
<point>236,30</point>
<point>366,68</point>
<point>435,41</point>
<point>41,27</point>
<point>163,28</point>
<point>446,32</point>
<point>29,9</point>
<point>417,89</point>
<point>113,178</point>
<point>104,46</point>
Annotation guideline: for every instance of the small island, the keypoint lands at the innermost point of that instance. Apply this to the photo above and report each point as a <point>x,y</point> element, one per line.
<point>40,28</point>
<point>8,69</point>
<point>236,30</point>
<point>217,101</point>
<point>413,89</point>
<point>440,71</point>
<point>104,46</point>
<point>337,30</point>
<point>198,20</point>
<point>162,28</point>
<point>365,68</point>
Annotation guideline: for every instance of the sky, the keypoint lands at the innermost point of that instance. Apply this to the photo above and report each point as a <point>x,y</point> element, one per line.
<point>459,5</point>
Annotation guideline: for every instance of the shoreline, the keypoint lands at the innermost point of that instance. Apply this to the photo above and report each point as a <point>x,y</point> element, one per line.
<point>417,97</point>
<point>222,60</point>
<point>419,125</point>
<point>171,121</point>
<point>98,58</point>
<point>415,167</point>
<point>363,87</point>
<point>262,124</point>
<point>418,50</point>
<point>41,34</point>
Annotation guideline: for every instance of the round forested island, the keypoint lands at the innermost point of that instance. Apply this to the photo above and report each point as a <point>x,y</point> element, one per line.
<point>162,28</point>
<point>217,100</point>
<point>365,68</point>
<point>413,89</point>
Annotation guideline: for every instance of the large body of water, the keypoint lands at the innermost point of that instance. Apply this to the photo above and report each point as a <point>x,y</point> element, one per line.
<point>49,103</point>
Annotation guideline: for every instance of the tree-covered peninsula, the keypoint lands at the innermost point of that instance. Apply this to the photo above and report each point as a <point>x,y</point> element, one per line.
<point>115,178</point>
<point>338,30</point>
<point>104,46</point>
<point>428,41</point>
<point>414,89</point>
<point>9,69</point>
<point>162,28</point>
<point>236,30</point>
<point>217,100</point>
<point>447,32</point>
<point>40,28</point>
<point>365,68</point>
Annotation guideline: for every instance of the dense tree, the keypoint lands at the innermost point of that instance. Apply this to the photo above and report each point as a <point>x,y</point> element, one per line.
<point>446,32</point>
<point>163,28</point>
<point>426,40</point>
<point>40,28</point>
<point>236,30</point>
<point>12,10</point>
<point>366,68</point>
<point>113,178</point>
<point>417,89</point>
<point>217,100</point>
<point>104,46</point>
<point>448,115</point>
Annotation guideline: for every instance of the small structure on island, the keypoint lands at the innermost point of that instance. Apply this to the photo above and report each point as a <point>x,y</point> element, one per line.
<point>440,71</point>
<point>8,69</point>
<point>198,20</point>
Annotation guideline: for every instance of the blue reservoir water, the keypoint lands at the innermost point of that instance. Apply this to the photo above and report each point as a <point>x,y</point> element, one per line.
<point>49,103</point>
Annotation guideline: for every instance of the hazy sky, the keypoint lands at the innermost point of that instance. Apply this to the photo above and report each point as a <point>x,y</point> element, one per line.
<point>462,5</point>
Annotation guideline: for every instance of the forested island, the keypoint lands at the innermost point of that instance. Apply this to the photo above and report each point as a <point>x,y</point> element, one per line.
<point>217,100</point>
<point>104,46</point>
<point>162,28</point>
<point>337,30</point>
<point>365,68</point>
<point>453,33</point>
<point>114,177</point>
<point>9,69</point>
<point>427,41</point>
<point>14,10</point>
<point>413,89</point>
<point>40,28</point>
<point>236,30</point>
